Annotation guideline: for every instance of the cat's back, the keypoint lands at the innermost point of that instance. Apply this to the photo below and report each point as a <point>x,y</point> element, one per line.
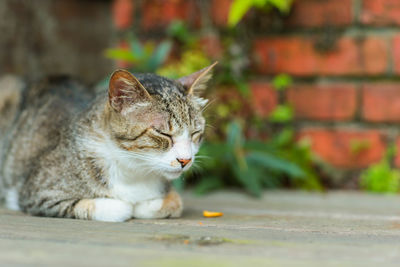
<point>40,107</point>
<point>40,113</point>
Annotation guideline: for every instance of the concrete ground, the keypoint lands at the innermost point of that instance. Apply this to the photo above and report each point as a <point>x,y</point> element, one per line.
<point>282,229</point>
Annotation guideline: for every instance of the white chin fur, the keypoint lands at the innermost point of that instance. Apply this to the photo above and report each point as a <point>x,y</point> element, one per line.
<point>172,175</point>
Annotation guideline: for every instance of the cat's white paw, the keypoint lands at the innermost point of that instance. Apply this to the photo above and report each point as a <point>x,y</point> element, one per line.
<point>112,210</point>
<point>148,209</point>
<point>168,207</point>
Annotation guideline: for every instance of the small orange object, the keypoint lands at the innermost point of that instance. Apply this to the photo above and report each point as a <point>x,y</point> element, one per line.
<point>211,214</point>
<point>186,242</point>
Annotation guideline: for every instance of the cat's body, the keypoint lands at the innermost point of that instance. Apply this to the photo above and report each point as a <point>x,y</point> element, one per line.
<point>65,152</point>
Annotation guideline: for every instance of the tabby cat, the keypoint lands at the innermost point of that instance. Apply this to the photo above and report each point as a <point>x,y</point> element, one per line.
<point>65,152</point>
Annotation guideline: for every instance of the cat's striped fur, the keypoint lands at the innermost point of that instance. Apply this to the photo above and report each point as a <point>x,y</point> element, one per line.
<point>65,152</point>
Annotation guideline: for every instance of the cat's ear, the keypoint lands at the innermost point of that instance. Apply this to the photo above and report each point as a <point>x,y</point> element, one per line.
<point>124,89</point>
<point>196,82</point>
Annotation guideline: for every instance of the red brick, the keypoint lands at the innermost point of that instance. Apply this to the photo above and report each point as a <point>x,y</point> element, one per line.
<point>324,102</point>
<point>380,12</point>
<point>220,11</point>
<point>159,13</point>
<point>299,56</point>
<point>396,54</point>
<point>212,46</point>
<point>316,13</point>
<point>397,156</point>
<point>122,13</point>
<point>381,102</point>
<point>335,146</point>
<point>264,98</point>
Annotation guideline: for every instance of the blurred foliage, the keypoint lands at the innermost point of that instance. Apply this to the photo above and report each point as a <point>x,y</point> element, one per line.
<point>240,7</point>
<point>359,146</point>
<point>255,164</point>
<point>178,30</point>
<point>251,164</point>
<point>282,82</point>
<point>382,177</point>
<point>191,61</point>
<point>282,113</point>
<point>192,57</point>
<point>146,57</point>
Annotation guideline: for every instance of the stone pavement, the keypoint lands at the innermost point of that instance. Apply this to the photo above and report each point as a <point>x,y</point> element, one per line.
<point>282,229</point>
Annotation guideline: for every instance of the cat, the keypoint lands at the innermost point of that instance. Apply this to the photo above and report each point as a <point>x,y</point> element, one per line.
<point>66,152</point>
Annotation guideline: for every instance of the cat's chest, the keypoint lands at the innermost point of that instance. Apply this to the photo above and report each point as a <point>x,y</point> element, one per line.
<point>127,179</point>
<point>130,187</point>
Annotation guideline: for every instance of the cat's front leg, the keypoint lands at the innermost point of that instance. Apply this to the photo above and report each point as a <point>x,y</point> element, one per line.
<point>103,209</point>
<point>168,207</point>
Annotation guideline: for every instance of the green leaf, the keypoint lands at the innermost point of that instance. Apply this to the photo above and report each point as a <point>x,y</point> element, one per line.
<point>217,150</point>
<point>258,145</point>
<point>159,55</point>
<point>391,152</point>
<point>284,138</point>
<point>238,10</point>
<point>271,180</point>
<point>148,49</point>
<point>259,3</point>
<point>249,178</point>
<point>120,54</point>
<point>240,7</point>
<point>207,184</point>
<point>271,162</point>
<point>234,135</point>
<point>243,87</point>
<point>282,5</point>
<point>136,47</point>
<point>282,113</point>
<point>178,29</point>
<point>282,82</point>
<point>223,110</point>
<point>381,177</point>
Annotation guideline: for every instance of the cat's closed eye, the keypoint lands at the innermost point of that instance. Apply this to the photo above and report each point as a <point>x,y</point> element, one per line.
<point>163,133</point>
<point>197,136</point>
<point>125,138</point>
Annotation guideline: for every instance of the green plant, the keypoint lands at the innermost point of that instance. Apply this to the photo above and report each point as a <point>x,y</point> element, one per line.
<point>251,164</point>
<point>191,59</point>
<point>178,30</point>
<point>240,7</point>
<point>146,57</point>
<point>189,62</point>
<point>283,113</point>
<point>381,177</point>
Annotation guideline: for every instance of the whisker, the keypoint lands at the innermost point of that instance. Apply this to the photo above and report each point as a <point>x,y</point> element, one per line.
<point>208,105</point>
<point>203,157</point>
<point>210,126</point>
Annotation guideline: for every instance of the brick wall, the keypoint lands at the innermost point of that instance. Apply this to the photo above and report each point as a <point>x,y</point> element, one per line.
<point>344,56</point>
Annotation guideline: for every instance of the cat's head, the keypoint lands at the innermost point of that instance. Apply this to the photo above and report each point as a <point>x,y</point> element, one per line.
<point>158,121</point>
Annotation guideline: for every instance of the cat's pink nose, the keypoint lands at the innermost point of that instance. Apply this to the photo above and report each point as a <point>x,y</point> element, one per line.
<point>184,162</point>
